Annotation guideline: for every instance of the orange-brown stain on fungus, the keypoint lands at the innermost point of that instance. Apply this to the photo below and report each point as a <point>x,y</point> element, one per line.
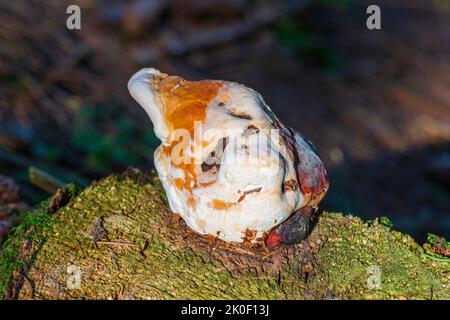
<point>184,103</point>
<point>207,184</point>
<point>179,183</point>
<point>191,202</point>
<point>221,205</point>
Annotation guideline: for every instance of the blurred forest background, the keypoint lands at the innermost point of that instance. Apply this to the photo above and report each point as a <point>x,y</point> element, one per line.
<point>375,103</point>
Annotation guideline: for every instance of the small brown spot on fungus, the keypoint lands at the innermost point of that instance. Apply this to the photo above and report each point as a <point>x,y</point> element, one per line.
<point>242,197</point>
<point>290,185</point>
<point>249,236</point>
<point>253,190</point>
<point>207,167</point>
<point>237,114</point>
<point>214,158</point>
<point>251,129</point>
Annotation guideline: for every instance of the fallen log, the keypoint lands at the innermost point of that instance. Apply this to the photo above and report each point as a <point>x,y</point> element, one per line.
<point>117,240</point>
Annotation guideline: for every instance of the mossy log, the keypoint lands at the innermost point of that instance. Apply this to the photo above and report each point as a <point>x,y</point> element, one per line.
<point>120,238</point>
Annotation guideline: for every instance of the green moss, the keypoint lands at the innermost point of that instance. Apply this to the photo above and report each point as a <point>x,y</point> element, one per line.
<point>140,255</point>
<point>133,214</point>
<point>35,227</point>
<point>8,262</point>
<point>354,253</point>
<point>73,190</point>
<point>386,222</point>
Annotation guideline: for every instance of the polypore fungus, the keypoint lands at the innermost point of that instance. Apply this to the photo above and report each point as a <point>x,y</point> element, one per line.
<point>230,168</point>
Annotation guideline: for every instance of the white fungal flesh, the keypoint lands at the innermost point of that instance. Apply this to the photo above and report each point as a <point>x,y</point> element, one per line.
<point>232,197</point>
<point>140,87</point>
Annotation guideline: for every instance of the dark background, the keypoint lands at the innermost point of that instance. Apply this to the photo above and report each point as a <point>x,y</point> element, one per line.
<point>375,103</point>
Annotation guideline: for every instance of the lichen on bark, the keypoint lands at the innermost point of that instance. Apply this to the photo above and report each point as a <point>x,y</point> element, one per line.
<point>121,237</point>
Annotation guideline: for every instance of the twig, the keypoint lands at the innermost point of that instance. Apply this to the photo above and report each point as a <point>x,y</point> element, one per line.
<point>44,180</point>
<point>117,243</point>
<point>23,161</point>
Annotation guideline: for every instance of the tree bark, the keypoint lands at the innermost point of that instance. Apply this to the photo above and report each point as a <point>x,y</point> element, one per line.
<point>118,240</point>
